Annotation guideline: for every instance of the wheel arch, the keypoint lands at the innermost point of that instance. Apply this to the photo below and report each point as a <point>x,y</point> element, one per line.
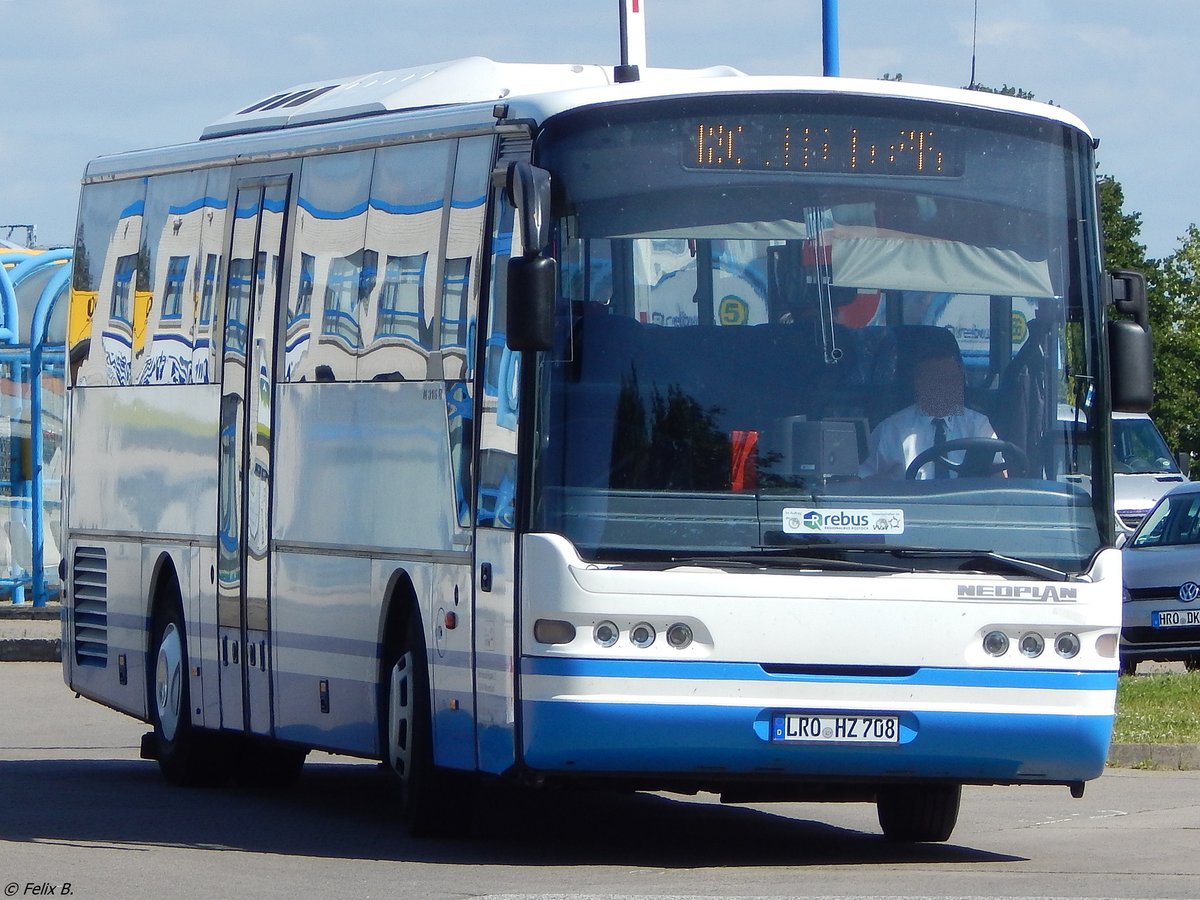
<point>400,608</point>
<point>399,602</point>
<point>164,592</point>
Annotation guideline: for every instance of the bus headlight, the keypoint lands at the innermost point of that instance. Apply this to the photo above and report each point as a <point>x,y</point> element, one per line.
<point>605,634</point>
<point>679,636</point>
<point>1032,644</point>
<point>995,643</point>
<point>642,635</point>
<point>1066,645</point>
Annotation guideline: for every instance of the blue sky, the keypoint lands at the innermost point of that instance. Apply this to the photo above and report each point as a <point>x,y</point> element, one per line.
<point>82,78</point>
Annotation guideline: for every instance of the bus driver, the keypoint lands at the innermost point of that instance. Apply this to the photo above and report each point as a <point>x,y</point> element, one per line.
<point>937,415</point>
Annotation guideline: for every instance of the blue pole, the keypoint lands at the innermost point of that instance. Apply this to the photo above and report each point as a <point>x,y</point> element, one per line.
<point>8,306</point>
<point>829,38</point>
<point>37,339</point>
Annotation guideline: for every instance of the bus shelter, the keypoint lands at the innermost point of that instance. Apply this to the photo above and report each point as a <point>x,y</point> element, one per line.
<point>32,406</point>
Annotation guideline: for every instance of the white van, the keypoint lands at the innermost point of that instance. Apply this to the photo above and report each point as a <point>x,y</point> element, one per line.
<point>1143,467</point>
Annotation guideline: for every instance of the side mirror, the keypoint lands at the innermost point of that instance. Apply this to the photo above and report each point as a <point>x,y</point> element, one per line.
<point>1130,353</point>
<point>532,276</point>
<point>531,292</point>
<point>528,189</point>
<point>1129,295</point>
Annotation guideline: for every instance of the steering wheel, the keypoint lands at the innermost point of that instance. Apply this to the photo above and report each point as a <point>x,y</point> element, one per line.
<point>978,460</point>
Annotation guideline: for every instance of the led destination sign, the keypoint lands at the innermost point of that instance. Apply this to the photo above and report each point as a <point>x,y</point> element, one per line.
<point>829,146</point>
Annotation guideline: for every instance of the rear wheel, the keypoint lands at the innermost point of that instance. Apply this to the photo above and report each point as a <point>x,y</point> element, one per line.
<point>429,797</point>
<point>1128,666</point>
<point>186,755</point>
<point>918,812</point>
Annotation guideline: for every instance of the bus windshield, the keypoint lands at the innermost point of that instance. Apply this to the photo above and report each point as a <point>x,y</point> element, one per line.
<point>817,321</point>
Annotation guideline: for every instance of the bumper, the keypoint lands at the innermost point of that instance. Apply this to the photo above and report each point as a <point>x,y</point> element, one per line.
<point>710,723</point>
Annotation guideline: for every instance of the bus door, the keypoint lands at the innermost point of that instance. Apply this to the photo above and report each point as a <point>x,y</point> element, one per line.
<point>247,370</point>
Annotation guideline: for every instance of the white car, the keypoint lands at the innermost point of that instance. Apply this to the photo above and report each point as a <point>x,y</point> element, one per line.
<point>1160,617</point>
<point>1143,467</point>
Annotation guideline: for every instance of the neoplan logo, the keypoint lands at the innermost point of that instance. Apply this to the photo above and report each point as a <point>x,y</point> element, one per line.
<point>1047,592</point>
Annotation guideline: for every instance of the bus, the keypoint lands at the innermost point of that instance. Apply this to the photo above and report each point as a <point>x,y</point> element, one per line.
<point>505,423</point>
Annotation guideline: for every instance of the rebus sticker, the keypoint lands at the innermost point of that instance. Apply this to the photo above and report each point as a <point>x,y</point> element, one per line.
<point>798,520</point>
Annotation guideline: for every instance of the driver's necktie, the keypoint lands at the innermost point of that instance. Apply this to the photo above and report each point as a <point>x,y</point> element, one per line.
<point>940,469</point>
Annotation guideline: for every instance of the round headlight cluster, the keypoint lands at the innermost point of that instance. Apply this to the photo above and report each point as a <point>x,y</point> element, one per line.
<point>679,636</point>
<point>1031,644</point>
<point>606,634</point>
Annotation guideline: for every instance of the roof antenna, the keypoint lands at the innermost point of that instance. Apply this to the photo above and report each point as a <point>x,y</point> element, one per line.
<point>633,41</point>
<point>974,32</point>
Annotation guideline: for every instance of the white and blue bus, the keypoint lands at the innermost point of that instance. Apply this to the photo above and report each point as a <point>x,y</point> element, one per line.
<point>506,421</point>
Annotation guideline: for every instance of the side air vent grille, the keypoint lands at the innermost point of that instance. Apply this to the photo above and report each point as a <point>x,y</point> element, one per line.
<point>90,596</point>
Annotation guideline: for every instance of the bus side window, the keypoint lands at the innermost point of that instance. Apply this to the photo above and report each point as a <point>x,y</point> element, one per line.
<point>405,226</point>
<point>105,259</point>
<point>162,321</point>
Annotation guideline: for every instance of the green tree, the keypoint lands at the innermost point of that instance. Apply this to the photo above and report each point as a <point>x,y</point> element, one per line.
<point>1122,249</point>
<point>1175,325</point>
<point>1007,91</point>
<point>1173,285</point>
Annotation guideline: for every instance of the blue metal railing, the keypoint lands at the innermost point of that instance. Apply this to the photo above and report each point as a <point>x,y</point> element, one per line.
<point>28,358</point>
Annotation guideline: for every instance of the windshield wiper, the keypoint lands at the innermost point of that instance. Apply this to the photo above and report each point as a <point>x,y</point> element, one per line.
<point>986,561</point>
<point>784,558</point>
<point>989,562</point>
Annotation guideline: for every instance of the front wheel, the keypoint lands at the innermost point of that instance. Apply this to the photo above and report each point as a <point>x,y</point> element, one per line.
<point>186,755</point>
<point>918,812</point>
<point>429,805</point>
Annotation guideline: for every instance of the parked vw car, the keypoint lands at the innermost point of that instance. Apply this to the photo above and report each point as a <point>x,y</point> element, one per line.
<point>1161,612</point>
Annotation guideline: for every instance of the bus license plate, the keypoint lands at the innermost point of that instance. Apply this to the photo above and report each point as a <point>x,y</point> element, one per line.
<point>1175,618</point>
<point>824,728</point>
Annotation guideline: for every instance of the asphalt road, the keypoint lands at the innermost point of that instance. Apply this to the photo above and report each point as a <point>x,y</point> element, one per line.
<point>80,813</point>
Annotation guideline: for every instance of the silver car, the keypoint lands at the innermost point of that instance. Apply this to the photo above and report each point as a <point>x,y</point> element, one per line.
<point>1161,612</point>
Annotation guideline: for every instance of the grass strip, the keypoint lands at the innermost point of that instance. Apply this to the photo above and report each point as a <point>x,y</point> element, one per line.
<point>1163,708</point>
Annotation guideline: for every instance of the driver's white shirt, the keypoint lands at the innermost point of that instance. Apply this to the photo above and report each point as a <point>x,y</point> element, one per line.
<point>903,436</point>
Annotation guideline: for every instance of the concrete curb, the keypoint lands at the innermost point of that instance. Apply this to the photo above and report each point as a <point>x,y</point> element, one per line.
<point>1160,757</point>
<point>30,633</point>
<point>31,650</point>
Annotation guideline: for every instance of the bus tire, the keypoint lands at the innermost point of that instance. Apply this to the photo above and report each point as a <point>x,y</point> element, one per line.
<point>918,812</point>
<point>428,804</point>
<point>186,755</point>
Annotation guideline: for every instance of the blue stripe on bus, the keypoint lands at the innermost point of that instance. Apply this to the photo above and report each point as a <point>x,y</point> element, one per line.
<point>119,338</point>
<point>199,203</point>
<point>136,208</point>
<point>403,209</point>
<point>1044,679</point>
<point>709,741</point>
<point>406,209</point>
